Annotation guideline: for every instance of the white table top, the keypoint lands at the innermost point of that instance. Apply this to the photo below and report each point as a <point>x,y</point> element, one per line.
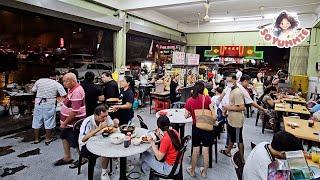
<point>176,116</point>
<point>103,147</point>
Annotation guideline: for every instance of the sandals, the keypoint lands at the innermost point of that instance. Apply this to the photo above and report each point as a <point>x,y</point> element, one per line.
<point>190,173</point>
<point>51,140</point>
<point>202,173</point>
<point>38,141</point>
<point>76,164</point>
<point>225,152</point>
<point>61,162</point>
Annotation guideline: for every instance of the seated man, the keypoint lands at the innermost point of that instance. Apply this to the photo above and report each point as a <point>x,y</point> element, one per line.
<point>170,145</point>
<point>263,154</point>
<point>91,126</point>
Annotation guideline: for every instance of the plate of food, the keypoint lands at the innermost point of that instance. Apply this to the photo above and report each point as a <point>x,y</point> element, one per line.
<point>163,113</point>
<point>293,124</point>
<point>144,139</point>
<point>108,130</point>
<point>125,129</point>
<point>280,105</point>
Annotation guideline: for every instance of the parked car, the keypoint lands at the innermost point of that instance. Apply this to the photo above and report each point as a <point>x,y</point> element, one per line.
<point>83,67</point>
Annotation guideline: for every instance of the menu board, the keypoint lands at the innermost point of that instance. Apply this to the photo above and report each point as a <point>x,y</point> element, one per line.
<point>178,58</point>
<point>192,59</point>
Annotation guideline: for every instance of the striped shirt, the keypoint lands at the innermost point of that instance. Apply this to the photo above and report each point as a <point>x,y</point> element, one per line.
<point>89,124</point>
<point>47,88</point>
<point>74,102</point>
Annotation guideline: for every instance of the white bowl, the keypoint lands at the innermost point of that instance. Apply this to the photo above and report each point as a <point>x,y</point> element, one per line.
<point>117,138</point>
<point>136,141</point>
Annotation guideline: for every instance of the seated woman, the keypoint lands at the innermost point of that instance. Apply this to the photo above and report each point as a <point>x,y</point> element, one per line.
<point>269,99</point>
<point>170,145</point>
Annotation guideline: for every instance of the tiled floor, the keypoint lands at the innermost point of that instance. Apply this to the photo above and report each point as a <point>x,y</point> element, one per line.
<point>40,166</point>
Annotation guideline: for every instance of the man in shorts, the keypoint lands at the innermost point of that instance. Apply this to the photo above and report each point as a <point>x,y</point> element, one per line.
<point>45,106</point>
<point>72,110</point>
<point>235,116</point>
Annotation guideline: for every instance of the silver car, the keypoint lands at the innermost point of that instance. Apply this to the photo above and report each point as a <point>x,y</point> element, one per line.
<point>83,67</point>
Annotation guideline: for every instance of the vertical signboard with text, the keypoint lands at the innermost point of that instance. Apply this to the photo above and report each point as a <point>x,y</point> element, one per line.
<point>178,58</point>
<point>192,59</point>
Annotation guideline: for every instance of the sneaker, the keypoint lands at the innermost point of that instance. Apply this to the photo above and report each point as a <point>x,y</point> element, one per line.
<point>105,176</point>
<point>129,168</point>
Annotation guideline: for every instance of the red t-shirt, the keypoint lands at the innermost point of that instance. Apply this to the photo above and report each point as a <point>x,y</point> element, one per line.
<point>168,149</point>
<point>196,103</point>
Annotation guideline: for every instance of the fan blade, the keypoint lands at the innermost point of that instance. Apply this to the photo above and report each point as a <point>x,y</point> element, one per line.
<point>264,25</point>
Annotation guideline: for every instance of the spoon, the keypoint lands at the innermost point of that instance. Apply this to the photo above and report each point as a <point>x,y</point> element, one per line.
<point>128,124</point>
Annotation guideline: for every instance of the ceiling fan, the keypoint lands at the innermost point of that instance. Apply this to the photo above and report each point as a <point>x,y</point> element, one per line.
<point>205,18</point>
<point>207,6</point>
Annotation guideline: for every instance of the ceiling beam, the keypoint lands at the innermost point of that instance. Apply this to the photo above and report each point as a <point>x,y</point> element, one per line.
<point>130,5</point>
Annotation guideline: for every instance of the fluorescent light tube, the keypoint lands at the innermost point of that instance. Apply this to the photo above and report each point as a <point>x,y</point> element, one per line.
<point>221,20</point>
<point>248,18</point>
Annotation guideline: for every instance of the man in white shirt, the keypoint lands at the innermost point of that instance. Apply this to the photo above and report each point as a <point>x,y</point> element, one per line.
<point>44,112</point>
<point>244,82</point>
<point>263,154</point>
<point>92,126</point>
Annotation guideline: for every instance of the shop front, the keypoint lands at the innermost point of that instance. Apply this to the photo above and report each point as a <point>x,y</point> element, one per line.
<point>36,44</point>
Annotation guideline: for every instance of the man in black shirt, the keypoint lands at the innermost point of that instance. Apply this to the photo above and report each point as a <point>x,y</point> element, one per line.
<point>92,92</point>
<point>110,89</point>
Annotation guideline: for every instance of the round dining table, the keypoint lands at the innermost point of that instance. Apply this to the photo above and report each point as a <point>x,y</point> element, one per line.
<point>177,119</point>
<point>102,146</point>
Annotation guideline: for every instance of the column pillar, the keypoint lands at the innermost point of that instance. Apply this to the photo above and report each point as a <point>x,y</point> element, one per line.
<point>120,43</point>
<point>314,54</point>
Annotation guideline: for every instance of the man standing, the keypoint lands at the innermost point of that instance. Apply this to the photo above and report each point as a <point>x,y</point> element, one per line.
<point>72,110</point>
<point>92,92</point>
<point>110,89</point>
<point>45,106</point>
<point>225,97</point>
<point>235,116</point>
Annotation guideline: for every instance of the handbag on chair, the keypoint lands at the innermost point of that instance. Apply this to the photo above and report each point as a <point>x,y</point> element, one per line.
<point>205,118</point>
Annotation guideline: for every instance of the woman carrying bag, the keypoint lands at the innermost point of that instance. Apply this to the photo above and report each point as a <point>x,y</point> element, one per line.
<point>203,115</point>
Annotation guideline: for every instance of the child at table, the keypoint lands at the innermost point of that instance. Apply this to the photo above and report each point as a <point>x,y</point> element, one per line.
<point>91,126</point>
<point>170,145</point>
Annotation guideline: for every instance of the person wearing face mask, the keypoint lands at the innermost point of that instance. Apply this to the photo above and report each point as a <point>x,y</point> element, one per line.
<point>235,117</point>
<point>258,85</point>
<point>242,85</point>
<point>223,100</point>
<point>170,145</point>
<point>263,154</point>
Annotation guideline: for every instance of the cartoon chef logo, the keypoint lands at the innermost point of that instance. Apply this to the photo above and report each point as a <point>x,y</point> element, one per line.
<point>285,32</point>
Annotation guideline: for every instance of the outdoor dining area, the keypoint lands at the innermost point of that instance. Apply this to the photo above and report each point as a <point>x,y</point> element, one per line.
<point>183,90</point>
